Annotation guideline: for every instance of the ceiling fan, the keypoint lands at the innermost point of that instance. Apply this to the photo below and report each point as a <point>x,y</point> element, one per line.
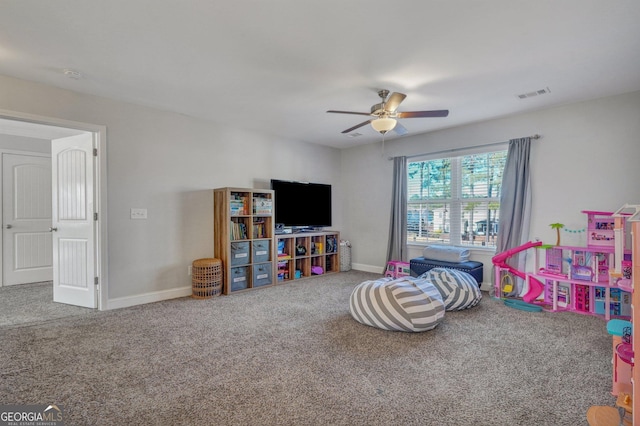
<point>385,114</point>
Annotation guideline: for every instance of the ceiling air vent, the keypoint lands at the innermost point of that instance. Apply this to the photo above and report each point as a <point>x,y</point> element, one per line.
<point>536,93</point>
<point>353,135</point>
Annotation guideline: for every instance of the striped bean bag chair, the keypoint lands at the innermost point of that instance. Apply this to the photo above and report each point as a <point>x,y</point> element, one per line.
<point>402,304</point>
<point>459,289</point>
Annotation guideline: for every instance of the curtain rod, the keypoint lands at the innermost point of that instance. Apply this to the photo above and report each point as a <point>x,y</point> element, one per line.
<point>536,136</point>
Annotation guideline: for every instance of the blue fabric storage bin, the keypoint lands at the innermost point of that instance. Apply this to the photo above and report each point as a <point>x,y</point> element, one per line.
<point>261,250</point>
<point>239,253</point>
<point>239,278</point>
<point>262,274</point>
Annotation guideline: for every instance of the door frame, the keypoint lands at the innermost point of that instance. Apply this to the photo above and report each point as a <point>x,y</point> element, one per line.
<point>100,188</point>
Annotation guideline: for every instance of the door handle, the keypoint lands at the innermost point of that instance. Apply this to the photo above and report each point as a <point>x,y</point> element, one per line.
<point>53,229</point>
<point>9,226</point>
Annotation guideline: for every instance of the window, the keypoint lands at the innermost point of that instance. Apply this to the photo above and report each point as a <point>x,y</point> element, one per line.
<point>455,200</point>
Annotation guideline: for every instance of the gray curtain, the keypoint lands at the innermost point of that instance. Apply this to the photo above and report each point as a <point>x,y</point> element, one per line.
<point>397,249</point>
<point>515,205</point>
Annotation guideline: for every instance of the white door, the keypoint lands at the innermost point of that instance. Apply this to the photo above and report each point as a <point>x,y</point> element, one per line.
<point>26,218</point>
<point>73,221</point>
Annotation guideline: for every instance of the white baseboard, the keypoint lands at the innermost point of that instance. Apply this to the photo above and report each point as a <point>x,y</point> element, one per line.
<point>485,286</point>
<point>156,296</point>
<point>367,268</point>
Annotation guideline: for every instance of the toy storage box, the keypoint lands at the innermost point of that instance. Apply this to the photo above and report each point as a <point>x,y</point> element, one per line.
<point>420,265</point>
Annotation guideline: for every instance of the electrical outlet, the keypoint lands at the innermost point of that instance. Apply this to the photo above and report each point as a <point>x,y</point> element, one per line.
<point>138,213</point>
<point>189,269</point>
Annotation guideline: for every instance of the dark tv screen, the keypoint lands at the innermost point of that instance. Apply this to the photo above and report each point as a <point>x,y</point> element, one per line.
<point>302,204</point>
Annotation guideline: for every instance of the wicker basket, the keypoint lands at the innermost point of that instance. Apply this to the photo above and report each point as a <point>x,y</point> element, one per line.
<point>206,275</point>
<point>345,256</point>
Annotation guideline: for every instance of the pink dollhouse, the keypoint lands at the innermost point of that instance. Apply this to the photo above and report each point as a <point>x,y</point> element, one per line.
<point>582,279</point>
<point>587,280</point>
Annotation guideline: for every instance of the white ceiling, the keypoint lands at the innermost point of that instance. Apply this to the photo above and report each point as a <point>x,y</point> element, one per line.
<point>277,66</point>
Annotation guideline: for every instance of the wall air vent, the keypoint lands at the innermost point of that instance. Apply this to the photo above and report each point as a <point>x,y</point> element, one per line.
<point>535,93</point>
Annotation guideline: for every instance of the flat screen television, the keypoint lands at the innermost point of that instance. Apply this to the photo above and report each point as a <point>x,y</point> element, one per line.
<point>302,204</point>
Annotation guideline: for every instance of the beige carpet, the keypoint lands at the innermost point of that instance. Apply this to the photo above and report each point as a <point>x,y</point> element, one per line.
<point>292,355</point>
<point>32,303</point>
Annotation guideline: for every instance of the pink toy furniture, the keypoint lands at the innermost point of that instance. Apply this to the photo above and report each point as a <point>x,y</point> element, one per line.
<point>397,269</point>
<point>583,298</point>
<point>600,227</point>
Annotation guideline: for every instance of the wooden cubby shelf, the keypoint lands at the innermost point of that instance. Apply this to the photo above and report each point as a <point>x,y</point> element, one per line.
<point>303,255</point>
<point>244,237</point>
<point>252,255</point>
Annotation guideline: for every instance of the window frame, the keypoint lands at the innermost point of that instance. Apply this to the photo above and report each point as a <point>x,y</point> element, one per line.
<point>455,203</point>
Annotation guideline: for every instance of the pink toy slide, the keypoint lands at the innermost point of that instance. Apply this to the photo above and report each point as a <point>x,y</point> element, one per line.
<point>535,286</point>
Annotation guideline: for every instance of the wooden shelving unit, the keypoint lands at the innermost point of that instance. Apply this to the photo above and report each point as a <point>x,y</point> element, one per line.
<point>244,237</point>
<point>307,254</point>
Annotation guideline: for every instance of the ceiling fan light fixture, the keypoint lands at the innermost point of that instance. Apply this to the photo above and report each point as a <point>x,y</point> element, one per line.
<point>383,125</point>
<point>385,113</point>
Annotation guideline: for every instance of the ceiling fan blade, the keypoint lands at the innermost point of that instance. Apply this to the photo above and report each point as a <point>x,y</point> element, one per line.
<point>418,114</point>
<point>357,126</point>
<point>349,112</point>
<point>393,102</point>
<point>400,129</point>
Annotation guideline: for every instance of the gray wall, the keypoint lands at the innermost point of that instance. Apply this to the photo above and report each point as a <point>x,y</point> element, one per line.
<point>587,159</point>
<point>169,163</point>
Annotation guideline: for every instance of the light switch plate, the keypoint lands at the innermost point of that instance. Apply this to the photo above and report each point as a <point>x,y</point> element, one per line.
<point>138,213</point>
